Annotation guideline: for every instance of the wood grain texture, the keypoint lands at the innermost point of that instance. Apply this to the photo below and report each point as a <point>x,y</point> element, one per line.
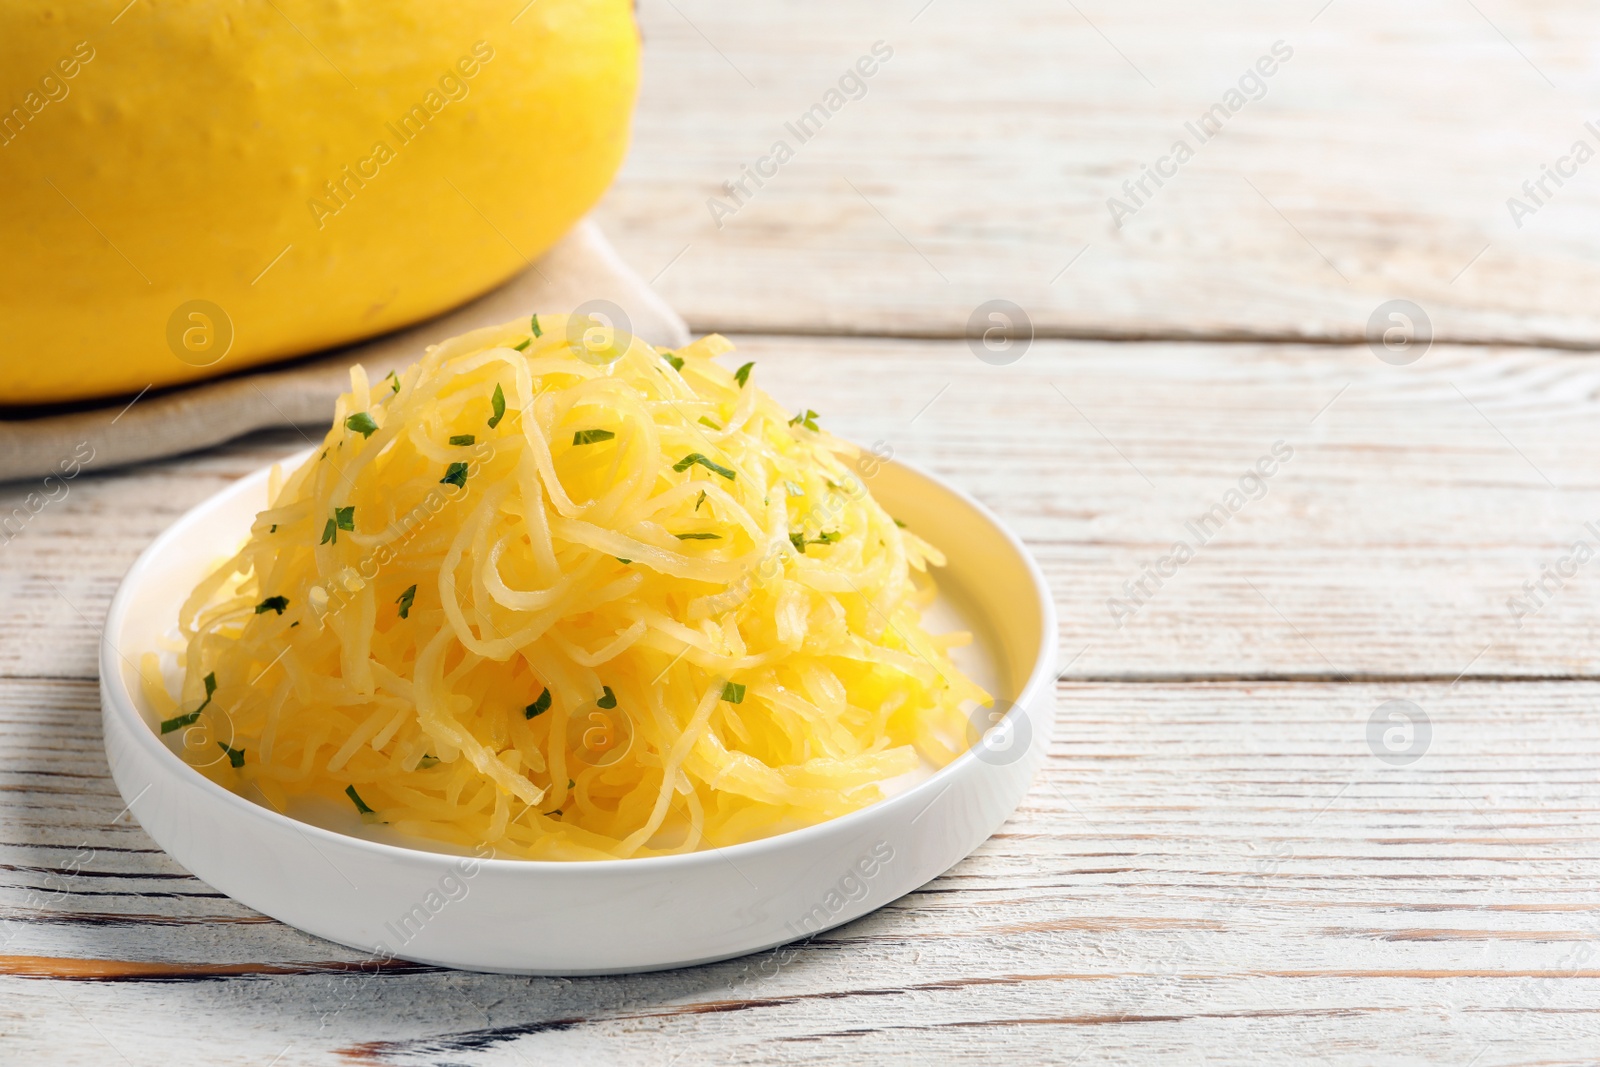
<point>1377,165</point>
<point>1414,508</point>
<point>1215,865</point>
<point>1220,870</point>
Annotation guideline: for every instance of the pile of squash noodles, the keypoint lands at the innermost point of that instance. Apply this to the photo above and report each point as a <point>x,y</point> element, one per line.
<point>560,594</point>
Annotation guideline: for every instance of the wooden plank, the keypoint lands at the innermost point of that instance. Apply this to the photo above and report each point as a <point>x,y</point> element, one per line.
<point>1200,868</point>
<point>1222,860</point>
<point>1413,510</point>
<point>979,163</point>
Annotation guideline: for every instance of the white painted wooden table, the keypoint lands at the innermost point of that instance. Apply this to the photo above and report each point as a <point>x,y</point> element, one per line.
<point>1223,861</point>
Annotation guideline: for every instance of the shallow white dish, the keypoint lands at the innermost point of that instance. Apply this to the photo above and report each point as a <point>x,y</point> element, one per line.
<point>603,917</point>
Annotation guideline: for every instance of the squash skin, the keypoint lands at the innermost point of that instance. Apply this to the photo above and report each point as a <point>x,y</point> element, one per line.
<point>188,158</point>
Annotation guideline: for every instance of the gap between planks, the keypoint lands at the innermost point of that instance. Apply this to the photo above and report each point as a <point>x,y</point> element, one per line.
<point>1346,339</point>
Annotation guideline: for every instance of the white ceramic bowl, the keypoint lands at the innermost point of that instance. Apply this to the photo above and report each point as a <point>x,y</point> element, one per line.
<point>600,917</point>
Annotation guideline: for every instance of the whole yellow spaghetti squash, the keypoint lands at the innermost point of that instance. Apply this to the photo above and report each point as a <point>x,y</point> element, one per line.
<point>192,186</point>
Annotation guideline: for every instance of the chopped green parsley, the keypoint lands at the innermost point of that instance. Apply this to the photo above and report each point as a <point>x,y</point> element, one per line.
<point>498,402</point>
<point>178,722</point>
<point>361,423</point>
<point>694,457</point>
<point>343,519</point>
<point>538,707</point>
<point>799,541</point>
<point>355,798</point>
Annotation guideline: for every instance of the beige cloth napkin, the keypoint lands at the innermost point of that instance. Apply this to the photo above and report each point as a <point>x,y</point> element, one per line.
<point>582,267</point>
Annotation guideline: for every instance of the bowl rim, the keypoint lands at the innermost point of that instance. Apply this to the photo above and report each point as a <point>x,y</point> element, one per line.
<point>118,701</point>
